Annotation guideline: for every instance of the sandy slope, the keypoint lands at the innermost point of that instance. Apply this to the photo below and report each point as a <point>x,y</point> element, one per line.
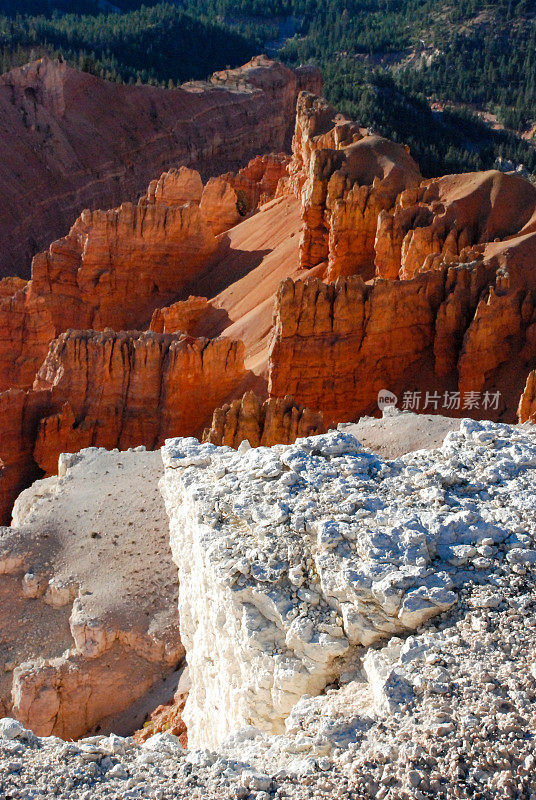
<point>102,530</point>
<point>254,258</point>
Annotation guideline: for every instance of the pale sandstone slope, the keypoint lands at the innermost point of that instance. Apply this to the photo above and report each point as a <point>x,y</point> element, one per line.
<point>89,596</point>
<point>254,257</point>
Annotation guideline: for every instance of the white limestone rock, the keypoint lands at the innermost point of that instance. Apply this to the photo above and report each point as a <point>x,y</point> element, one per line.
<point>11,728</point>
<point>293,557</point>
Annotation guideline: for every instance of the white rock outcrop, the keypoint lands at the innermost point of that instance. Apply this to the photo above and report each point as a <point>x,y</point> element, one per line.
<point>293,559</point>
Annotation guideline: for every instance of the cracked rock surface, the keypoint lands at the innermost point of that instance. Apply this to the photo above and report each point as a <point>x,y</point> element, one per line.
<point>463,727</point>
<point>446,710</point>
<point>295,560</point>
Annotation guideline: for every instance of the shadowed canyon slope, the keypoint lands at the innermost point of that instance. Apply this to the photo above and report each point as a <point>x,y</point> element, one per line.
<point>69,140</point>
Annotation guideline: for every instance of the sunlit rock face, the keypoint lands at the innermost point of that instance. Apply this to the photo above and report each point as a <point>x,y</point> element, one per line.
<point>292,559</point>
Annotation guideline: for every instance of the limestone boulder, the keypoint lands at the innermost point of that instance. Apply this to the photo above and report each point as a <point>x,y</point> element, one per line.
<point>295,562</point>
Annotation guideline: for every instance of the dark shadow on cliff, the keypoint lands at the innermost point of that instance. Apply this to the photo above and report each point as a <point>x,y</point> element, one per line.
<point>228,266</point>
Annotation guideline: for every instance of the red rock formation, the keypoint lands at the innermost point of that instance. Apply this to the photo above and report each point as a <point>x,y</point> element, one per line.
<point>116,266</point>
<point>26,328</point>
<point>166,718</point>
<point>74,141</point>
<point>224,199</point>
<point>446,220</point>
<point>257,183</point>
<point>499,345</point>
<point>181,316</point>
<point>149,252</point>
<point>217,200</point>
<point>456,314</point>
<point>337,345</point>
<point>460,319</point>
<point>10,286</point>
<point>176,188</point>
<point>112,390</point>
<point>112,270</point>
<point>255,257</point>
<point>317,126</point>
<point>274,421</point>
<point>219,205</point>
<point>19,417</point>
<point>128,389</point>
<point>60,695</point>
<point>345,180</point>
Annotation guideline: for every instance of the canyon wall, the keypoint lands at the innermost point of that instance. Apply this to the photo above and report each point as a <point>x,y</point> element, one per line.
<point>450,220</point>
<point>20,413</point>
<point>111,390</point>
<point>337,344</point>
<point>434,340</point>
<point>345,178</point>
<point>116,270</point>
<point>72,141</point>
<point>180,316</point>
<point>424,288</point>
<point>447,315</point>
<point>112,270</point>
<point>129,389</point>
<point>257,182</point>
<point>116,267</point>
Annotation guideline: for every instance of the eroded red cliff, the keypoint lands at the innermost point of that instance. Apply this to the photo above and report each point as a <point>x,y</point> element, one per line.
<point>452,320</point>
<point>112,270</point>
<point>72,141</point>
<point>131,388</point>
<point>424,288</point>
<point>345,178</point>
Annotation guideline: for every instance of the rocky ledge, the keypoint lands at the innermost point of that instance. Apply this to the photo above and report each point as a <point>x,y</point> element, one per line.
<point>416,575</point>
<point>309,577</point>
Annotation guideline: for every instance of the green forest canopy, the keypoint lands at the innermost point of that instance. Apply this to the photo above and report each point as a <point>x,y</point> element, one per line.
<point>384,61</point>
